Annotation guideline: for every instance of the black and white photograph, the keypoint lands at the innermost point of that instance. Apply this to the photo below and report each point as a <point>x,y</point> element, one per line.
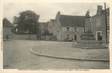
<point>56,36</point>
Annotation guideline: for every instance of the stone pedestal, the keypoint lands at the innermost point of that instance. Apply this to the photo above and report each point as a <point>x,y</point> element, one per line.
<point>88,41</point>
<point>89,44</point>
<point>87,36</point>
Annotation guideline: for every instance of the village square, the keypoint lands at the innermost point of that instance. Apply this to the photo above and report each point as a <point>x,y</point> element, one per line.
<point>65,42</point>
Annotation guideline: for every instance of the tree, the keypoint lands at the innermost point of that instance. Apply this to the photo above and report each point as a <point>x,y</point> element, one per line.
<point>27,22</point>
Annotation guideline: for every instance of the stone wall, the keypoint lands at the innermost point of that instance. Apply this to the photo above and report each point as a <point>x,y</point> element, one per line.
<point>25,36</point>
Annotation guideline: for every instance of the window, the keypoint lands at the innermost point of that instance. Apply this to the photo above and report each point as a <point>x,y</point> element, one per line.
<point>68,28</point>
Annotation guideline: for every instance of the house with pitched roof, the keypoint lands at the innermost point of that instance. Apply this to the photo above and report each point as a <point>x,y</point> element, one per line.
<point>68,27</point>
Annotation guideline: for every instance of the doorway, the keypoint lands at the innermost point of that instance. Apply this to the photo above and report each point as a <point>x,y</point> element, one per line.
<point>75,37</point>
<point>99,35</point>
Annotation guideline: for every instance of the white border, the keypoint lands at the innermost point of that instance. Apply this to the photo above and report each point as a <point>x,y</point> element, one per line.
<point>51,1</point>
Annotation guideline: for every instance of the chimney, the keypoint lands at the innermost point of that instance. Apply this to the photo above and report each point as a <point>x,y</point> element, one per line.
<point>88,14</point>
<point>99,10</point>
<point>58,15</point>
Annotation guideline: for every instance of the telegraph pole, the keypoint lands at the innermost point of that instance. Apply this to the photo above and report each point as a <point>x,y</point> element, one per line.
<point>105,21</point>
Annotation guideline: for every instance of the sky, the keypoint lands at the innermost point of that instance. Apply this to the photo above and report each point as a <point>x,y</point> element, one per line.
<point>47,10</point>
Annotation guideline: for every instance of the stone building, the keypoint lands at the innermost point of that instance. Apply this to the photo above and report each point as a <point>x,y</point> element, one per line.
<point>43,26</point>
<point>96,33</point>
<point>7,29</point>
<point>101,24</point>
<point>52,29</point>
<point>98,25</point>
<point>67,27</point>
<point>85,30</point>
<point>46,31</point>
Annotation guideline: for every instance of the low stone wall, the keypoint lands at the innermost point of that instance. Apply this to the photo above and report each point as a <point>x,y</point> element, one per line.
<point>25,36</point>
<point>48,37</point>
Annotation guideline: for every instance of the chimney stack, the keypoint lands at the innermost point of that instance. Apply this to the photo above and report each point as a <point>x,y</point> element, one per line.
<point>99,10</point>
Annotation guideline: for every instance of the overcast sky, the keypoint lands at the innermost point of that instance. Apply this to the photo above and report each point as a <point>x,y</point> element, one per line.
<point>48,11</point>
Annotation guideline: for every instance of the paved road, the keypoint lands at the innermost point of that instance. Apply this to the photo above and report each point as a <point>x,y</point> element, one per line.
<point>17,55</point>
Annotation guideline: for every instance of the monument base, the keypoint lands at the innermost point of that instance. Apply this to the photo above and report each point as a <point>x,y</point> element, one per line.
<point>89,44</point>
